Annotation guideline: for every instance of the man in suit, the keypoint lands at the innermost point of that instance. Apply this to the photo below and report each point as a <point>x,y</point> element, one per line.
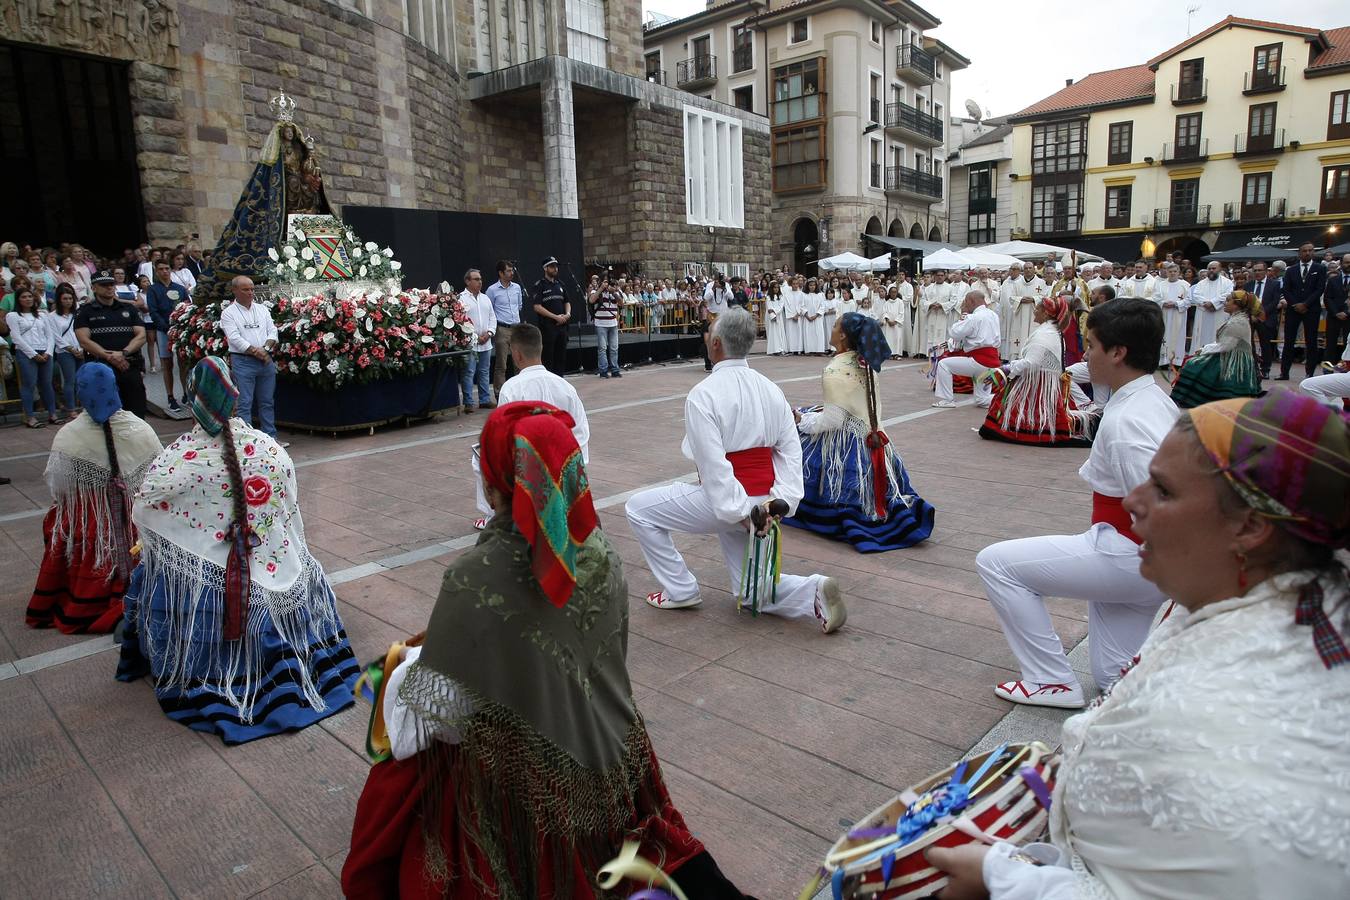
<point>1304,282</point>
<point>1266,286</point>
<point>1338,313</point>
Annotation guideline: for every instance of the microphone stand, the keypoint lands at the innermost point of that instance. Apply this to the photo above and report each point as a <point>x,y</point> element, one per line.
<point>581,304</point>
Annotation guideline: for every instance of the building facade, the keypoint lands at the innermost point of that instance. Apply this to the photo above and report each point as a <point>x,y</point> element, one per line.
<point>143,123</point>
<point>980,208</point>
<point>1237,135</point>
<point>856,97</point>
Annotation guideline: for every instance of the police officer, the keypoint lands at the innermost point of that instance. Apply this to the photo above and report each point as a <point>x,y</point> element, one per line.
<point>554,311</point>
<point>110,330</point>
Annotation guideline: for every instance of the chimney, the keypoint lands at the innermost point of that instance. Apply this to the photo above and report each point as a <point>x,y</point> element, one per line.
<point>1068,82</point>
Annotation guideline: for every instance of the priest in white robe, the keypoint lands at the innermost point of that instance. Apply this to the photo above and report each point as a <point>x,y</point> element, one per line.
<point>935,312</point>
<point>1173,295</point>
<point>1140,284</point>
<point>1208,296</point>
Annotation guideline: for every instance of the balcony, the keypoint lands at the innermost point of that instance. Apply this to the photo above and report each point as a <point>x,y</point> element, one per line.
<point>696,72</point>
<point>799,109</point>
<point>1193,91</point>
<point>919,126</point>
<point>1184,217</point>
<point>1250,144</point>
<point>742,59</point>
<point>657,76</point>
<point>913,183</point>
<point>916,64</point>
<point>1248,213</point>
<point>1263,81</point>
<point>1193,151</point>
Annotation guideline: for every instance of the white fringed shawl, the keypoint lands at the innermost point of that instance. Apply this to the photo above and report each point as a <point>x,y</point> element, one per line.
<point>1035,392</point>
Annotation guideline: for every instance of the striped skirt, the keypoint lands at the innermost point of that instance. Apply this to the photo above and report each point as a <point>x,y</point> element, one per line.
<point>73,593</point>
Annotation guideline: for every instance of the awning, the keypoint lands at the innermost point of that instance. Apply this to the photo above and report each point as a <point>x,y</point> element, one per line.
<point>1252,253</point>
<point>1117,248</point>
<point>910,244</point>
<point>1285,237</point>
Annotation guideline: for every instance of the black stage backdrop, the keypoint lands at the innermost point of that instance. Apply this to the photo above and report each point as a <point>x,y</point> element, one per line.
<point>436,246</point>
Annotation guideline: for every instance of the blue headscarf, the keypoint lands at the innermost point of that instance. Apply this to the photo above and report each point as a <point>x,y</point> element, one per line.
<point>865,337</point>
<point>96,388</point>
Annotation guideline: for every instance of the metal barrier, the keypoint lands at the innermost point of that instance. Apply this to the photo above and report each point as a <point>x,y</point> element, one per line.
<point>674,316</point>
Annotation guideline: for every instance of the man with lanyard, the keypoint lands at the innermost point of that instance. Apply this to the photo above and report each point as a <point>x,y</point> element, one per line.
<point>975,343</point>
<point>1101,565</point>
<point>165,294</point>
<point>110,331</point>
<point>1266,288</point>
<point>506,300</point>
<point>251,337</point>
<point>717,299</point>
<point>554,311</point>
<point>740,434</point>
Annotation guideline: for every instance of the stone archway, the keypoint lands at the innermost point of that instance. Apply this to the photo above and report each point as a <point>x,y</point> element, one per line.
<point>896,229</point>
<point>805,246</point>
<point>873,226</point>
<point>935,234</point>
<point>916,232</point>
<point>1190,246</point>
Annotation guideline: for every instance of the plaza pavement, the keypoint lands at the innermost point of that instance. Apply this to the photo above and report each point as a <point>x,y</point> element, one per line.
<point>773,738</point>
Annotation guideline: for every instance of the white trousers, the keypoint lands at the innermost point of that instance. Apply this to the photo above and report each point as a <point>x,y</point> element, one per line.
<point>1100,566</point>
<point>1079,373</point>
<point>479,498</point>
<point>961,365</point>
<point>1327,389</point>
<point>653,514</point>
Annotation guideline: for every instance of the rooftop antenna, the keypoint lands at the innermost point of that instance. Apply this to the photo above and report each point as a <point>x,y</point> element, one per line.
<point>1190,13</point>
<point>973,109</point>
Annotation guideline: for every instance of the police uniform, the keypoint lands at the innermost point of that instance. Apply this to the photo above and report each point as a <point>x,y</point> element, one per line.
<point>550,295</point>
<point>112,327</point>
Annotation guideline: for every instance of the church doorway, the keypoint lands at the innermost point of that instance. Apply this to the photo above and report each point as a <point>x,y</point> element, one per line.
<point>805,247</point>
<point>68,151</point>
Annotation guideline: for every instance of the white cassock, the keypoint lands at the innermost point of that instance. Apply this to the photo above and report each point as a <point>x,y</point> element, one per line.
<point>951,303</point>
<point>870,306</point>
<point>1173,352</point>
<point>1113,283</point>
<point>813,323</point>
<point>1021,321</point>
<point>1005,311</point>
<point>734,408</point>
<point>934,312</point>
<point>1207,296</point>
<point>1141,288</point>
<point>892,323</point>
<point>793,301</point>
<point>537,383</point>
<point>775,325</point>
<point>848,304</point>
<point>830,306</point>
<point>1100,566</point>
<point>972,332</point>
<point>909,295</point>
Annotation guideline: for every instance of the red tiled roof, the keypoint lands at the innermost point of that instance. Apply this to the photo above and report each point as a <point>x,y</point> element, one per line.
<point>1338,51</point>
<point>1229,22</point>
<point>1099,88</point>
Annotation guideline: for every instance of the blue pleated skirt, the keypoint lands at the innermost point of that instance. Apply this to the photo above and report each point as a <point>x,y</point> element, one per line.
<point>279,701</point>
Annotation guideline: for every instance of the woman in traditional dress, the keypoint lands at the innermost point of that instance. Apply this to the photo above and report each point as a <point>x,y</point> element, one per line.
<point>520,763</point>
<point>96,464</point>
<point>1034,400</point>
<point>857,489</point>
<point>1226,368</point>
<point>1216,766</point>
<point>1172,296</point>
<point>813,320</point>
<point>775,324</point>
<point>228,611</point>
<point>892,321</point>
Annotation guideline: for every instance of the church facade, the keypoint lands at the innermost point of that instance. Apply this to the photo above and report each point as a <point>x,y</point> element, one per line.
<point>521,107</point>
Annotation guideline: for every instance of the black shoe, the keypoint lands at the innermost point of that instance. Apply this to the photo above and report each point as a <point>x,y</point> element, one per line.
<point>604,374</point>
<point>707,368</point>
<point>616,374</point>
<point>173,406</point>
<point>1281,378</point>
<point>4,480</point>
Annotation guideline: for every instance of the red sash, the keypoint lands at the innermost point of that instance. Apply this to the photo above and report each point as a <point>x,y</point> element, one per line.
<point>753,468</point>
<point>1111,511</point>
<point>985,356</point>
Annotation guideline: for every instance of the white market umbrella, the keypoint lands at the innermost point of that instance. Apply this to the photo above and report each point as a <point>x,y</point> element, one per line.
<point>845,262</point>
<point>881,263</point>
<point>947,260</point>
<point>989,258</point>
<point>1025,250</point>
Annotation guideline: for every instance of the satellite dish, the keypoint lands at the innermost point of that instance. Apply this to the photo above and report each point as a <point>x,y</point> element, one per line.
<point>974,109</point>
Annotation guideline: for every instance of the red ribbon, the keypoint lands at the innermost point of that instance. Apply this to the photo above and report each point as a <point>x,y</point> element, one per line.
<point>238,582</point>
<point>876,443</point>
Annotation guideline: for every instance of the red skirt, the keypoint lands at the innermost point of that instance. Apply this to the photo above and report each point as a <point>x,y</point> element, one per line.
<point>74,595</point>
<point>1063,437</point>
<point>387,853</point>
<point>985,356</point>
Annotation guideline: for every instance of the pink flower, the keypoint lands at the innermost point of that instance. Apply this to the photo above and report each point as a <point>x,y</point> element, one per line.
<point>271,567</point>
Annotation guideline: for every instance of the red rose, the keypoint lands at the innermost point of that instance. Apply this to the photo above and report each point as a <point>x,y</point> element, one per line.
<point>249,450</point>
<point>257,490</point>
<point>271,567</point>
<point>191,454</point>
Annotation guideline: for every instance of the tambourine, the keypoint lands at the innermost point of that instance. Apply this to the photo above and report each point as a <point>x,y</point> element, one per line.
<point>1002,795</point>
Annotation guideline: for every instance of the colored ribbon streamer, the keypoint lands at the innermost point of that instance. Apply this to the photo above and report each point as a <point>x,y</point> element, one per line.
<point>876,443</point>
<point>1037,784</point>
<point>238,581</point>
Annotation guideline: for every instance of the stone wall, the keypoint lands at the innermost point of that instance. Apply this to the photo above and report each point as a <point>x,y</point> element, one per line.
<point>503,159</point>
<point>623,29</point>
<point>612,205</point>
<point>435,106</point>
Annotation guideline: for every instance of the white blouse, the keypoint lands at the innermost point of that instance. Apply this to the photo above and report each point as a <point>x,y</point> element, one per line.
<point>30,334</point>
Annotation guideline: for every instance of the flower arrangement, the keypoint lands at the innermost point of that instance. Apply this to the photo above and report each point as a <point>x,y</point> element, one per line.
<point>326,343</point>
<point>307,259</point>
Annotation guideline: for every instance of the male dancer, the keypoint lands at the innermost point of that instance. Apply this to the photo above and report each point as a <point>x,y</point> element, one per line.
<point>975,342</point>
<point>1101,565</point>
<point>739,431</point>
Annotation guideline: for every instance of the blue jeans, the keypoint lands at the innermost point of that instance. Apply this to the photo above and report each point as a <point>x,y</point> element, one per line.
<point>255,380</point>
<point>67,363</point>
<point>34,375</point>
<point>607,347</point>
<point>477,370</point>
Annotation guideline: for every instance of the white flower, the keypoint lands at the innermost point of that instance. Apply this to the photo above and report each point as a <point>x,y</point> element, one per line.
<point>272,252</point>
<point>299,235</point>
<point>363,272</point>
<point>370,324</point>
<point>427,339</point>
<point>351,236</point>
<point>371,245</point>
<point>389,253</point>
<point>431,321</point>
<point>289,251</point>
<point>281,268</point>
<point>359,312</point>
<point>375,259</point>
<point>356,252</point>
<point>293,262</point>
<point>314,367</point>
<point>329,339</point>
<point>395,264</point>
<point>293,367</point>
<point>332,367</point>
<point>306,253</point>
<point>310,272</point>
<point>466,327</point>
<point>329,310</point>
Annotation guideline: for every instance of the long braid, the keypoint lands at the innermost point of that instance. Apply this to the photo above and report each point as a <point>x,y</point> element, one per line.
<point>119,507</point>
<point>238,583</point>
<point>113,465</point>
<point>239,512</point>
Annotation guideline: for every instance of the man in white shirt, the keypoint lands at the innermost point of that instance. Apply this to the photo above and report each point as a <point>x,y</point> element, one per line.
<point>1208,296</point>
<point>975,344</point>
<point>251,337</point>
<point>534,382</point>
<point>716,300</point>
<point>1101,565</point>
<point>741,436</point>
<point>478,367</point>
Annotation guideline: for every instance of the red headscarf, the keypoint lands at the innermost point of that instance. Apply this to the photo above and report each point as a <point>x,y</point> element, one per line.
<point>1058,310</point>
<point>528,453</point>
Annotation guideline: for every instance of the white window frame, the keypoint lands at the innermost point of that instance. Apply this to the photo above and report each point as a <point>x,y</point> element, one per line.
<point>713,196</point>
<point>881,93</point>
<point>741,269</point>
<point>572,25</point>
<point>660,52</point>
<point>881,164</point>
<point>731,50</point>
<point>875,31</point>
<point>807,39</point>
<point>897,92</point>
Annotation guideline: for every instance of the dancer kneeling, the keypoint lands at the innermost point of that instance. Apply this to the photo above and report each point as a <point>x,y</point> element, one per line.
<point>1227,367</point>
<point>520,762</point>
<point>227,609</point>
<point>741,436</point>
<point>1241,692</point>
<point>856,487</point>
<point>1035,401</point>
<point>96,464</point>
<point>975,339</point>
